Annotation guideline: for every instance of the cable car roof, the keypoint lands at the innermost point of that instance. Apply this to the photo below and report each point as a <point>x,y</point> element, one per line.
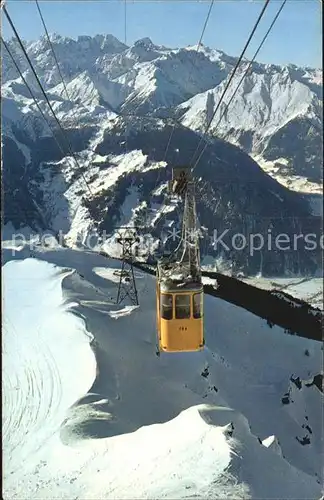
<point>181,286</point>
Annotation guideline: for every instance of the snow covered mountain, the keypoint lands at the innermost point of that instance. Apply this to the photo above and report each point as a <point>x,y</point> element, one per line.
<point>241,419</point>
<point>118,117</point>
<point>276,116</point>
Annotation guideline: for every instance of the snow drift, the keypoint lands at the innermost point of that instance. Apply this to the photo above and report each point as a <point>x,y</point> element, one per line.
<point>177,426</point>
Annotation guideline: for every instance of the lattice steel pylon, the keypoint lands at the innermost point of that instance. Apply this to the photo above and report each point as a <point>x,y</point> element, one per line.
<point>127,237</point>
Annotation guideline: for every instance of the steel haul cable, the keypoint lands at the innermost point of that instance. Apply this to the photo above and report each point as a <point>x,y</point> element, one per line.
<point>239,84</point>
<point>57,63</point>
<point>52,49</point>
<point>233,73</point>
<point>198,47</point>
<point>245,74</point>
<point>61,75</point>
<point>175,123</point>
<point>125,42</point>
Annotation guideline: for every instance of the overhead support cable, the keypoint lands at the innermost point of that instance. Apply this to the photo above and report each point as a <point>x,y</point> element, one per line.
<point>205,25</point>
<point>69,146</point>
<point>232,76</point>
<point>175,123</point>
<point>245,74</point>
<point>198,47</point>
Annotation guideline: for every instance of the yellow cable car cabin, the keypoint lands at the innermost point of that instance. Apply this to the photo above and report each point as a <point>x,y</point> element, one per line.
<point>180,318</point>
<point>179,289</point>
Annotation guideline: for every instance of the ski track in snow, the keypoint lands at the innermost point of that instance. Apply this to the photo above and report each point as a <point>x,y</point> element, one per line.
<point>149,427</point>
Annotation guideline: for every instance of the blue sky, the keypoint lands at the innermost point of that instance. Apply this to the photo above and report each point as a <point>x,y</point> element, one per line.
<point>296,37</point>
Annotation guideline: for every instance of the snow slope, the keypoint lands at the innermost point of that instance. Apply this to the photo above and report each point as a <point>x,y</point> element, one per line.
<point>264,102</point>
<point>174,426</point>
<point>47,361</point>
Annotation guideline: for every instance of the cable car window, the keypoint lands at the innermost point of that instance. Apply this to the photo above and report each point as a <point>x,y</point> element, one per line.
<point>182,306</point>
<point>166,306</point>
<point>197,305</point>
